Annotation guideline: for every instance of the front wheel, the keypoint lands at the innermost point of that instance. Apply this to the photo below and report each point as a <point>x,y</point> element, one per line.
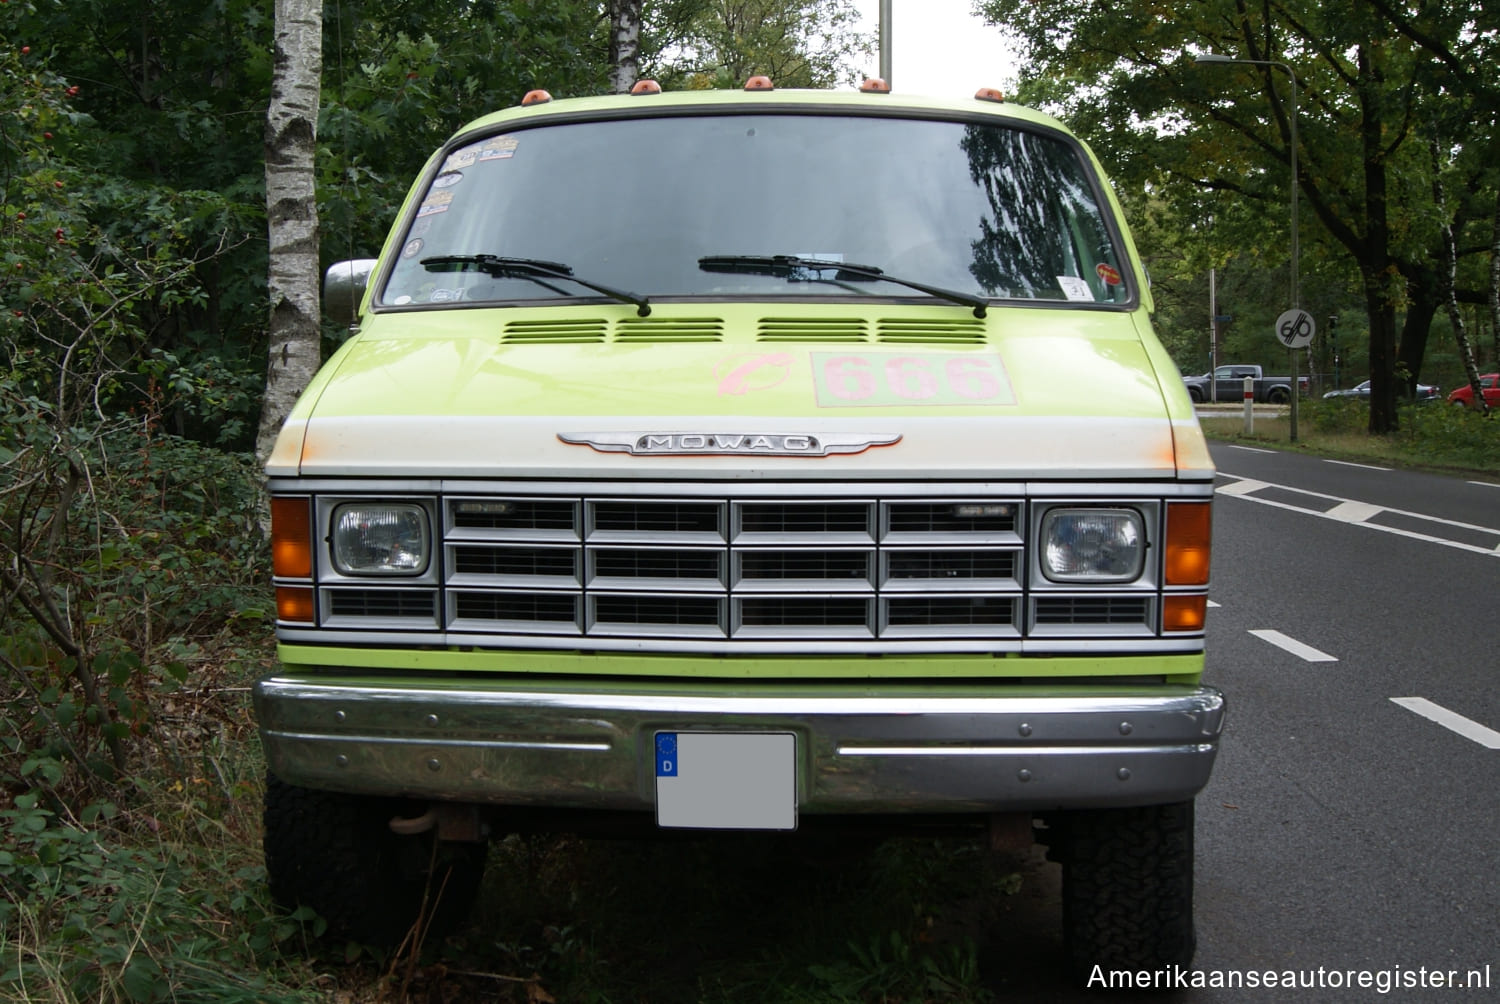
<point>336,853</point>
<point>1127,888</point>
<point>1196,395</point>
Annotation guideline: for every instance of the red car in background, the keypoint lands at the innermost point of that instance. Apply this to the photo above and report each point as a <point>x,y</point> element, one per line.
<point>1489,384</point>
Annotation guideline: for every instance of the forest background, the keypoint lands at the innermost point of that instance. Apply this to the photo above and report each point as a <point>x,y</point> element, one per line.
<point>134,349</point>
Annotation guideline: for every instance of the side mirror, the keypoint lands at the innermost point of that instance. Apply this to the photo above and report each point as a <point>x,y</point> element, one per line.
<point>344,287</point>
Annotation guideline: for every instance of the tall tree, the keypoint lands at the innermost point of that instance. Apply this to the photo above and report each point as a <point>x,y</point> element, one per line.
<point>1126,77</point>
<point>291,212</point>
<point>624,44</point>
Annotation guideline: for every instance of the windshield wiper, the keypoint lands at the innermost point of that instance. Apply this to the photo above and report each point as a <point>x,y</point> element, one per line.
<point>795,269</point>
<point>529,268</point>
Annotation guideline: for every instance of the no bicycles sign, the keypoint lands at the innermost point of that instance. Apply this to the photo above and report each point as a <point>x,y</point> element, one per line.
<point>1295,329</point>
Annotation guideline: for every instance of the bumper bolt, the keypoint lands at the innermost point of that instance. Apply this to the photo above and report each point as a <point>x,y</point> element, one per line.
<point>341,760</point>
<point>1023,775</point>
<point>432,720</point>
<point>1126,728</point>
<point>1025,729</point>
<point>434,764</point>
<point>1123,773</point>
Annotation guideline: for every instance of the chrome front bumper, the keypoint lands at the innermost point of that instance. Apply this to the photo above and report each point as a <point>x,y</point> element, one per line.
<point>552,745</point>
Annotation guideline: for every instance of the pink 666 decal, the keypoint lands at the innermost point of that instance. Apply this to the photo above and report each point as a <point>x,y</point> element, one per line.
<point>920,379</point>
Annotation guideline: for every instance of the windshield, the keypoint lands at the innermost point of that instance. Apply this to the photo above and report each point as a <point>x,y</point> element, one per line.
<point>988,210</point>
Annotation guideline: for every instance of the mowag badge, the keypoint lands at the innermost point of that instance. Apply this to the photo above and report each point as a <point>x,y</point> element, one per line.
<point>763,444</point>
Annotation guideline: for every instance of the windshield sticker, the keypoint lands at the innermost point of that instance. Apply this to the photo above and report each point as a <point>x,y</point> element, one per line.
<point>437,202</point>
<point>447,179</point>
<point>498,148</point>
<point>1108,273</point>
<point>741,374</point>
<point>412,249</point>
<point>920,379</point>
<point>1075,288</point>
<point>460,159</point>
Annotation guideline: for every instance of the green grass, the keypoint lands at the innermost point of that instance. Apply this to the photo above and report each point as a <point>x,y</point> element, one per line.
<point>1432,437</point>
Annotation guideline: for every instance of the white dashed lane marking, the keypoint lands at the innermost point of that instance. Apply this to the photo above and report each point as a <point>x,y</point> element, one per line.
<point>1349,463</point>
<point>1292,645</point>
<point>1451,720</point>
<point>1420,526</point>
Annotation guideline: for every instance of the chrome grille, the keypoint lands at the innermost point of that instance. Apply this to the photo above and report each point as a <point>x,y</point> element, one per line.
<point>783,568</point>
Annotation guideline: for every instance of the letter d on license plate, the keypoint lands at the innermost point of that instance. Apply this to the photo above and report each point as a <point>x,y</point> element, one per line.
<point>726,780</point>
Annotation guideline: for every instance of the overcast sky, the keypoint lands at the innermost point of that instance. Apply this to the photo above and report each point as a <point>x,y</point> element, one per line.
<point>940,48</point>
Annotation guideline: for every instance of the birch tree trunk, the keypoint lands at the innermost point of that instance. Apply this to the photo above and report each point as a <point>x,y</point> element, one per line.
<point>291,212</point>
<point>624,44</point>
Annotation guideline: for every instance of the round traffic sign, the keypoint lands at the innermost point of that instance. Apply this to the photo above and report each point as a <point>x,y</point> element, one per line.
<point>1295,329</point>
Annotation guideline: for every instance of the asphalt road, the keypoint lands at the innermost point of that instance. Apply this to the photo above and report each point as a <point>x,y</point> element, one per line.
<point>1342,830</point>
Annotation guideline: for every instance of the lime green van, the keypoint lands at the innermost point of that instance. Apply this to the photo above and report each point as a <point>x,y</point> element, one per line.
<point>745,460</point>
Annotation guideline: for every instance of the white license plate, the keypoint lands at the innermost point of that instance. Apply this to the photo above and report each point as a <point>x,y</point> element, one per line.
<point>726,780</point>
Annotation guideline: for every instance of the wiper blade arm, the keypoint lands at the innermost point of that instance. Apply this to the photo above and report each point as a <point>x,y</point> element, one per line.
<point>530,268</point>
<point>791,267</point>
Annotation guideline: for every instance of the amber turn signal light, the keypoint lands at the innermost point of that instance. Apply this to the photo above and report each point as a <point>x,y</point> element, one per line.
<point>1184,613</point>
<point>875,85</point>
<point>536,97</point>
<point>759,83</point>
<point>294,603</point>
<point>990,94</point>
<point>1189,540</point>
<point>645,87</point>
<point>291,538</point>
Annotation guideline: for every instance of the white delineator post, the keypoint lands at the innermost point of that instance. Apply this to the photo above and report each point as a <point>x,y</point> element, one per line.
<point>1249,405</point>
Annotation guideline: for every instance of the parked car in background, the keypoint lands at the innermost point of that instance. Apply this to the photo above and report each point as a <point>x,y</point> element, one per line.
<point>1361,390</point>
<point>1227,384</point>
<point>1489,384</point>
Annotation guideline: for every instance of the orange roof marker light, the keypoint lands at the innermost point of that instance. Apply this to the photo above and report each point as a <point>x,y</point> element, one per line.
<point>645,87</point>
<point>874,85</point>
<point>990,94</point>
<point>759,83</point>
<point>536,97</point>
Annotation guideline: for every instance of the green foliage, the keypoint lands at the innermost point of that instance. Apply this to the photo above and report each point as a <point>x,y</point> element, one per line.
<point>85,916</point>
<point>700,44</point>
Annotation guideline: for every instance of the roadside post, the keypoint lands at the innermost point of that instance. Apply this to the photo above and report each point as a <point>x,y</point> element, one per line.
<point>1295,329</point>
<point>1249,405</point>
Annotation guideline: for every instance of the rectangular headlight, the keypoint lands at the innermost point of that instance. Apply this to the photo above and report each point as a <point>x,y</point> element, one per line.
<point>1093,545</point>
<point>380,538</point>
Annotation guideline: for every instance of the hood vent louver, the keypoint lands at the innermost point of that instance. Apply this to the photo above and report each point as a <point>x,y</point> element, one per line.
<point>669,329</point>
<point>818,329</point>
<point>554,332</point>
<point>958,331</point>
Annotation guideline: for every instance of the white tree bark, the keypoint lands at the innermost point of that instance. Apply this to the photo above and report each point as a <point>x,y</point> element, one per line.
<point>291,212</point>
<point>624,44</point>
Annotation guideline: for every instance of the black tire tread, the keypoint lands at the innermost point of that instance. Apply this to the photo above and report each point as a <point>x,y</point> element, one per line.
<point>1128,888</point>
<point>336,853</point>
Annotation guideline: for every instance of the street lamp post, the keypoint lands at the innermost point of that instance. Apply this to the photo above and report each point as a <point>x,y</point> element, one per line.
<point>1214,57</point>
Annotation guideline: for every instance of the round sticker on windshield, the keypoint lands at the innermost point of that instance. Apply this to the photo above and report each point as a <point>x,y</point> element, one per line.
<point>1109,274</point>
<point>447,179</point>
<point>412,249</point>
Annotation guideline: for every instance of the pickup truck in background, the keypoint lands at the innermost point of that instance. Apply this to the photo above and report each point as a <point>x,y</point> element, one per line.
<point>1230,383</point>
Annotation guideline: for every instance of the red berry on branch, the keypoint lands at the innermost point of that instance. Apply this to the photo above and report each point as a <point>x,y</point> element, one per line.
<point>57,184</point>
<point>46,135</point>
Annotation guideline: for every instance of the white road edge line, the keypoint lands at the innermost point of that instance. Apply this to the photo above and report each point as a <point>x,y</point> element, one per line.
<point>1347,463</point>
<point>1211,604</point>
<point>1485,484</point>
<point>1451,720</point>
<point>1249,449</point>
<point>1292,645</point>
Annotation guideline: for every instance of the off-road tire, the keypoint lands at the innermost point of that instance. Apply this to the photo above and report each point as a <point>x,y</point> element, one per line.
<point>1278,395</point>
<point>1127,888</point>
<point>1195,395</point>
<point>336,853</point>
